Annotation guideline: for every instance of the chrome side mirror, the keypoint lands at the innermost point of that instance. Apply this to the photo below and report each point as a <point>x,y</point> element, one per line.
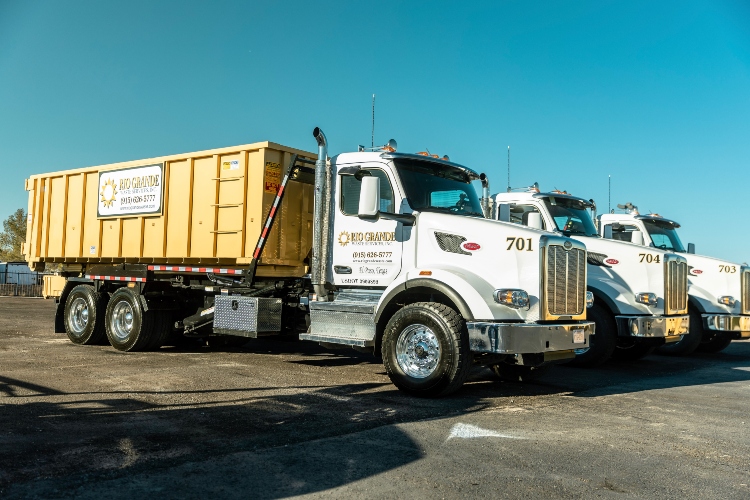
<point>535,220</point>
<point>369,197</point>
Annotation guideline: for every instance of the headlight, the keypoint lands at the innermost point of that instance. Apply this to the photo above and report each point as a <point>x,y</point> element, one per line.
<point>589,300</point>
<point>518,299</point>
<point>727,300</point>
<point>646,298</point>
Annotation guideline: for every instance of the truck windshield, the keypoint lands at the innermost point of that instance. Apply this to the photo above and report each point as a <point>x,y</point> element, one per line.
<point>663,235</point>
<point>431,188</point>
<point>570,216</point>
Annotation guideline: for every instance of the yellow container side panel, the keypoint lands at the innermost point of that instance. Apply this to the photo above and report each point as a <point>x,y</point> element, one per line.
<point>132,237</point>
<point>290,239</point>
<point>254,215</point>
<point>56,234</point>
<point>153,237</point>
<point>230,205</point>
<point>214,204</point>
<point>111,234</point>
<point>178,208</point>
<point>203,212</point>
<point>73,227</point>
<point>29,248</point>
<point>92,245</point>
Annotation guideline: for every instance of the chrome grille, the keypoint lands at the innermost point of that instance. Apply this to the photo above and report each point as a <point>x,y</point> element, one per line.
<point>745,296</point>
<point>450,243</point>
<point>566,281</point>
<point>675,289</point>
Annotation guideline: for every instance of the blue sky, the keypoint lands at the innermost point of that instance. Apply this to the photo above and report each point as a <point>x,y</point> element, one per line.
<point>656,94</point>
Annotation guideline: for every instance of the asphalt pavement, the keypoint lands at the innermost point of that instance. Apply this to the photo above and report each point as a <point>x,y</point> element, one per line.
<point>282,418</point>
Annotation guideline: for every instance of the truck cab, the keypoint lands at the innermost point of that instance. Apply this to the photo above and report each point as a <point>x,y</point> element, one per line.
<point>719,291</point>
<point>640,296</point>
<point>412,270</point>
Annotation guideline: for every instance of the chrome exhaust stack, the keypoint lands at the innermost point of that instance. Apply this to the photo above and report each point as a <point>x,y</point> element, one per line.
<point>321,218</point>
<point>486,204</point>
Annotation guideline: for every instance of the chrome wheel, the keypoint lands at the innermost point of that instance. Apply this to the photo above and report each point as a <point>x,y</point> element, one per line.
<point>417,351</point>
<point>78,317</point>
<point>121,322</point>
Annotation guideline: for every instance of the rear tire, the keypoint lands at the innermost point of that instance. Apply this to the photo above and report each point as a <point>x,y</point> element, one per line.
<point>129,327</point>
<point>84,315</point>
<point>426,350</point>
<point>689,342</point>
<point>603,342</point>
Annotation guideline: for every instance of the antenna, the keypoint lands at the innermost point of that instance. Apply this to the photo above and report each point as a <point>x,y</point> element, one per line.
<point>609,194</point>
<point>509,169</point>
<point>372,142</point>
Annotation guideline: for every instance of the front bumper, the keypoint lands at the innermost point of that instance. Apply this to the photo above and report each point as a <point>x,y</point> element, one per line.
<point>738,325</point>
<point>528,338</point>
<point>669,328</point>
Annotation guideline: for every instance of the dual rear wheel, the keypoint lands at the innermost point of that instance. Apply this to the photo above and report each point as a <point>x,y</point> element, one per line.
<point>91,317</point>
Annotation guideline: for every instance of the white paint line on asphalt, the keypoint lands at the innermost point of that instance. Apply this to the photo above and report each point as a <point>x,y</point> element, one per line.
<point>468,431</point>
<point>743,368</point>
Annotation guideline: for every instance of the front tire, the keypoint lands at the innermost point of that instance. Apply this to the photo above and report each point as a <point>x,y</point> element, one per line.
<point>426,350</point>
<point>84,315</point>
<point>603,342</point>
<point>129,327</point>
<point>714,342</point>
<point>631,350</point>
<point>689,342</point>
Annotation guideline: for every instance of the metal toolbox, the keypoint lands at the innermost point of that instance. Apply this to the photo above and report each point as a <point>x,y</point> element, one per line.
<point>246,316</point>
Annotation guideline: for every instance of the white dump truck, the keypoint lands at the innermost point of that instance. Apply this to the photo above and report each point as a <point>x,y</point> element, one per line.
<point>719,292</point>
<point>378,250</point>
<point>640,294</point>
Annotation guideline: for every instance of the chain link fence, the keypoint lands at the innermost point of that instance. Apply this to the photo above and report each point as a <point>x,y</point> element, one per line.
<point>21,284</point>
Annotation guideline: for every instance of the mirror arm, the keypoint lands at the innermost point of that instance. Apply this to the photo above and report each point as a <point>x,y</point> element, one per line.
<point>405,219</point>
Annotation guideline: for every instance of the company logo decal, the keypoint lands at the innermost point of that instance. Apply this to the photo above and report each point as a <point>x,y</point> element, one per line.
<point>596,259</point>
<point>612,261</point>
<point>130,191</point>
<point>694,272</point>
<point>367,238</point>
<point>109,192</point>
<point>471,246</point>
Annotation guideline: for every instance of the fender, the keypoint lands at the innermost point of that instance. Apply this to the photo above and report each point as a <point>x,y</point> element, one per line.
<point>599,295</point>
<point>438,286</point>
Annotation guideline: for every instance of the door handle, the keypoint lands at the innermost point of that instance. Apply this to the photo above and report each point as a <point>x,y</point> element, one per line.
<point>342,269</point>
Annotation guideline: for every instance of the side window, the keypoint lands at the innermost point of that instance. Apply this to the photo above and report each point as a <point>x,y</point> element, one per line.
<point>350,189</point>
<point>623,232</point>
<point>519,214</point>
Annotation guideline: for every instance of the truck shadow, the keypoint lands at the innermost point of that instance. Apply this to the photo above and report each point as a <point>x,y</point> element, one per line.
<point>274,440</point>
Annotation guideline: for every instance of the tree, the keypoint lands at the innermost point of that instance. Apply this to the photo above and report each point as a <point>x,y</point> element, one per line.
<point>13,235</point>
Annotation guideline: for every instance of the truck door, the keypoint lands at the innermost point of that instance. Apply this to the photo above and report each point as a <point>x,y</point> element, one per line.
<point>366,252</point>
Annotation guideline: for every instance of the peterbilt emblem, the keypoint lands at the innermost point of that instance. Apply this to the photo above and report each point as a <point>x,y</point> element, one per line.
<point>568,245</point>
<point>612,261</point>
<point>471,246</point>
